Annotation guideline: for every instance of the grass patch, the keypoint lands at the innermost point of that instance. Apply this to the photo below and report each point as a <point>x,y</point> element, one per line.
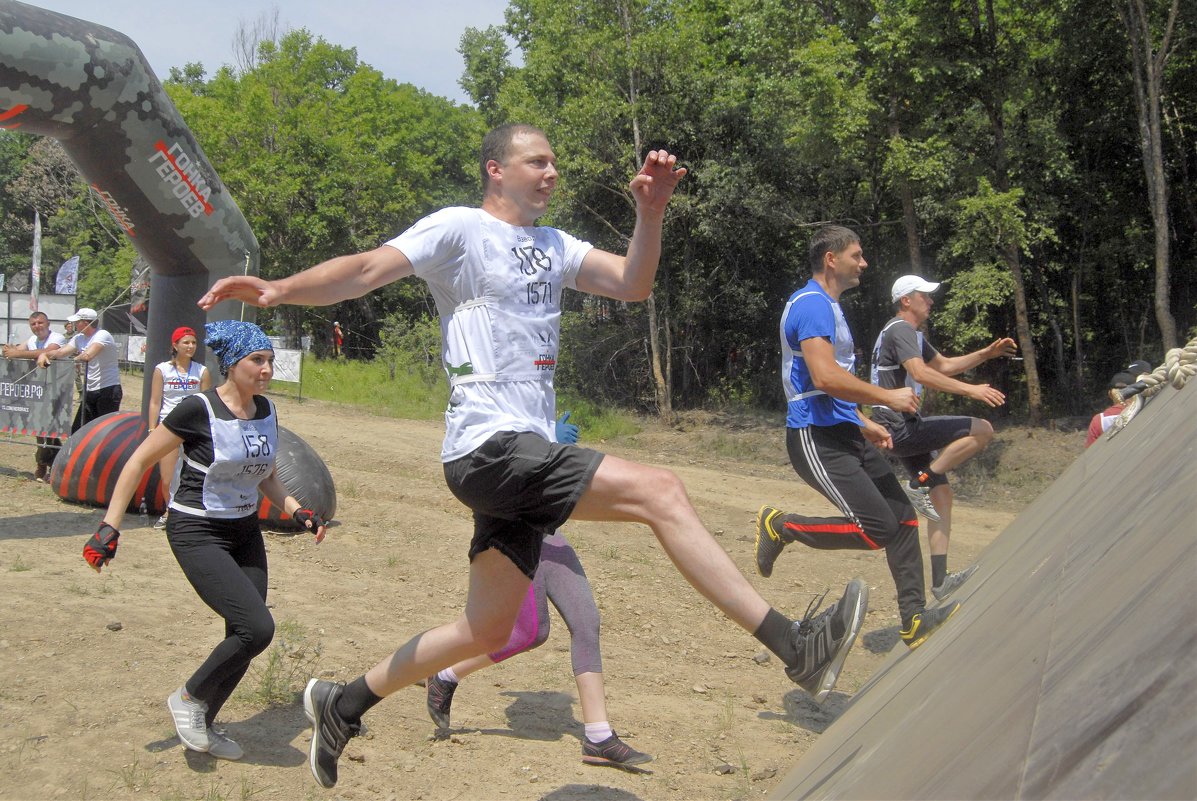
<point>18,566</point>
<point>416,393</point>
<point>596,423</point>
<point>408,394</point>
<point>278,675</point>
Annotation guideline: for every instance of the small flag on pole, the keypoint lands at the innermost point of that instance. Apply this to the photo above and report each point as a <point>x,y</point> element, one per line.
<point>68,277</point>
<point>35,273</point>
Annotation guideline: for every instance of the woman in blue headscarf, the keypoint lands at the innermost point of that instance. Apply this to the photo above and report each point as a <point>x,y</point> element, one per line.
<point>229,437</point>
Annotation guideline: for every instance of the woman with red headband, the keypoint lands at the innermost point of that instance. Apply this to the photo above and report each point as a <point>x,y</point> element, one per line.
<point>173,381</point>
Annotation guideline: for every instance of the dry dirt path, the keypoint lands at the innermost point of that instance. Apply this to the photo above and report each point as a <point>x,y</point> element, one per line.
<point>82,706</point>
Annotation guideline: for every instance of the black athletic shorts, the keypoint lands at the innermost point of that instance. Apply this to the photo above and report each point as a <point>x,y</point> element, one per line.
<point>521,487</point>
<point>918,439</point>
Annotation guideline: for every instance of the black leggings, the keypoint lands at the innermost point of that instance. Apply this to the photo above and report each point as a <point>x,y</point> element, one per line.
<point>225,561</point>
<point>850,472</point>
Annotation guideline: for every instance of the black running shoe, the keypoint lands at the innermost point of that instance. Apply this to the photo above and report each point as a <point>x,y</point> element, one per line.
<point>923,624</point>
<point>823,641</point>
<point>952,582</point>
<point>440,699</point>
<point>612,751</point>
<point>768,542</point>
<point>330,732</point>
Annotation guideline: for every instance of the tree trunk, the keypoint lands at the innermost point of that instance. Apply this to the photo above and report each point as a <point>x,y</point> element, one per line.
<point>1022,327</point>
<point>986,39</point>
<point>660,377</point>
<point>1147,72</point>
<point>910,220</point>
<point>664,406</point>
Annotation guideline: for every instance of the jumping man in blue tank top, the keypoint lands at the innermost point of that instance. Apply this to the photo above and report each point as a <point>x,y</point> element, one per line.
<point>833,447</point>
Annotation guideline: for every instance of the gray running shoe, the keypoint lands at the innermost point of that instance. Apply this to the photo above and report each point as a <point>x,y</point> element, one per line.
<point>768,542</point>
<point>612,751</point>
<point>189,720</point>
<point>920,499</point>
<point>823,641</point>
<point>924,624</point>
<point>330,732</point>
<point>161,522</point>
<point>952,582</point>
<point>221,746</point>
<point>440,700</point>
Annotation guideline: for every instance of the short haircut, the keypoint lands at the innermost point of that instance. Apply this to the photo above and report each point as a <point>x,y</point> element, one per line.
<point>834,238</point>
<point>36,314</point>
<point>496,145</point>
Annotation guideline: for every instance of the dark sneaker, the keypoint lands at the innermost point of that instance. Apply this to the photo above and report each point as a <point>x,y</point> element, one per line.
<point>920,499</point>
<point>329,732</point>
<point>612,751</point>
<point>923,624</point>
<point>823,641</point>
<point>952,582</point>
<point>768,542</point>
<point>440,699</point>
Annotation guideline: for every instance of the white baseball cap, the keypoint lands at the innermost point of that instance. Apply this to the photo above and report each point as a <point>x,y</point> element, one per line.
<point>911,283</point>
<point>83,314</point>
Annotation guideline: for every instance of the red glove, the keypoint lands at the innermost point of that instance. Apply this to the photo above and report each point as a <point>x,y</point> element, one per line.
<point>101,548</point>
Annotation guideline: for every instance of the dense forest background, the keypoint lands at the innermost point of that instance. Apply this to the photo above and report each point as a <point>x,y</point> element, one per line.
<point>1039,159</point>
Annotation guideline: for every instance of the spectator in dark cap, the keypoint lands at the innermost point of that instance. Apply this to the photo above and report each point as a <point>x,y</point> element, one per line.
<point>1102,421</point>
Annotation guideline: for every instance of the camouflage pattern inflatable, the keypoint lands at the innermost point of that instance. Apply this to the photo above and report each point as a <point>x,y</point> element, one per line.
<point>90,88</point>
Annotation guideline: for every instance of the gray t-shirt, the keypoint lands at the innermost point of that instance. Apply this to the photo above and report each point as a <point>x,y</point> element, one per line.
<point>898,342</point>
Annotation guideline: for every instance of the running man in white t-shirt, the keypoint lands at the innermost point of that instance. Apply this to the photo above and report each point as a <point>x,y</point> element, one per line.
<point>497,279</point>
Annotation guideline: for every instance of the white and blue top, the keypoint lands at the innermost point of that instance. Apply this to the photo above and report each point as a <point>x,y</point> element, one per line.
<point>811,312</point>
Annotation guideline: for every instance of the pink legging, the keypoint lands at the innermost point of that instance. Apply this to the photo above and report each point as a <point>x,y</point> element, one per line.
<point>560,579</point>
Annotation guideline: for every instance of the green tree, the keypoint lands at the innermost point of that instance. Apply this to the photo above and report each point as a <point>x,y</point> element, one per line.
<point>326,156</point>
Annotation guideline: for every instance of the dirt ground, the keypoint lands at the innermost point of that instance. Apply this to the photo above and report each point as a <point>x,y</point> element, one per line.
<point>88,660</point>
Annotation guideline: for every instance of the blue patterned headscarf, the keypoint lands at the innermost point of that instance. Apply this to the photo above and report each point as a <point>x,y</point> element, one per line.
<point>233,340</point>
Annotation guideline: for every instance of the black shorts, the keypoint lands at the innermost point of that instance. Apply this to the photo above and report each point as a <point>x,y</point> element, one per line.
<point>918,439</point>
<point>521,487</point>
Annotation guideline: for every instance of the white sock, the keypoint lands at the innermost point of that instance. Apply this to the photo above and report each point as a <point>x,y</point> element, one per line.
<point>597,732</point>
<point>448,675</point>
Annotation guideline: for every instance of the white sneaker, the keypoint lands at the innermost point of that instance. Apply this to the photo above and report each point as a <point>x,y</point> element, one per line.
<point>189,720</point>
<point>920,499</point>
<point>221,746</point>
<point>161,522</point>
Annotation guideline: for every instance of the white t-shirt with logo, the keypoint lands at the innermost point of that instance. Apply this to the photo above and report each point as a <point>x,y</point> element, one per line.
<point>498,293</point>
<point>104,369</point>
<point>178,384</point>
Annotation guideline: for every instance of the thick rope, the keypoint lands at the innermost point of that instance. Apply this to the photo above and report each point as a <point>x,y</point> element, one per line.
<point>1180,364</point>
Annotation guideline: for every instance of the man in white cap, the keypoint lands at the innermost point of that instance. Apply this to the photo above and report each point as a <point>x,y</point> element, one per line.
<point>931,446</point>
<point>96,350</point>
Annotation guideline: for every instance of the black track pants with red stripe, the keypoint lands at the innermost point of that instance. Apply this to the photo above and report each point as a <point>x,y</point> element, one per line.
<point>842,466</point>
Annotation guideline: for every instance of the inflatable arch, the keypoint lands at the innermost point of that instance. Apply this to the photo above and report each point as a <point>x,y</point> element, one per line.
<point>90,88</point>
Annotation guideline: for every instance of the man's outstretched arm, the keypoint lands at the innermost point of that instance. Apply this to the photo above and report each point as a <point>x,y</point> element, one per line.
<point>630,277</point>
<point>955,365</point>
<point>329,282</point>
<point>931,377</point>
